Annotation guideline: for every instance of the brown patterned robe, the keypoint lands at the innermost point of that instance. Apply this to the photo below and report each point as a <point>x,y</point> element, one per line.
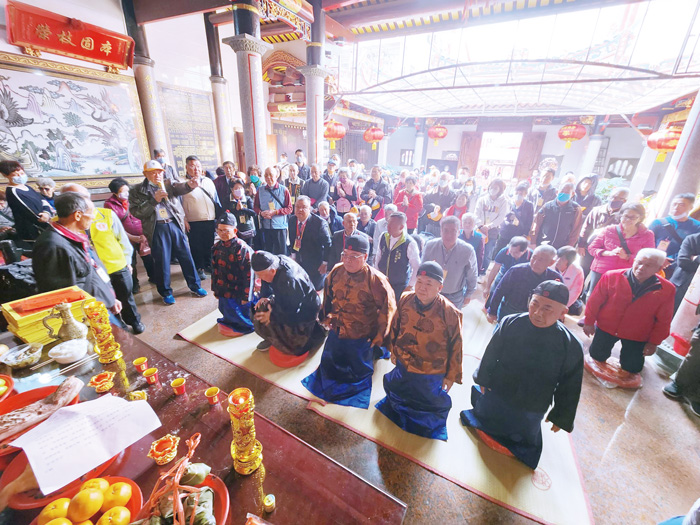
<point>428,341</point>
<point>359,305</point>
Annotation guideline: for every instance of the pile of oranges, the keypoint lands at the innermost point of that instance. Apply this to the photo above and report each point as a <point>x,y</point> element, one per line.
<point>96,496</point>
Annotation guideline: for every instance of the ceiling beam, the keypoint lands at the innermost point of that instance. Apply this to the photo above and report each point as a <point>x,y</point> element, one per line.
<point>154,10</point>
<point>329,5</point>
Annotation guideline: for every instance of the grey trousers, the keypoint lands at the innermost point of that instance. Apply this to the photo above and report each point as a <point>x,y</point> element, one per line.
<point>688,375</point>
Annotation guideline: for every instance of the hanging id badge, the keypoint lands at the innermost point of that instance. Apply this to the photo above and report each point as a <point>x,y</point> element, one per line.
<point>297,244</point>
<point>271,206</point>
<point>242,219</point>
<point>103,275</point>
<point>162,213</point>
<point>444,275</point>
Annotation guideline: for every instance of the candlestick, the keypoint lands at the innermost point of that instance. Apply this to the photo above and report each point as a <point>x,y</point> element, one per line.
<point>246,451</point>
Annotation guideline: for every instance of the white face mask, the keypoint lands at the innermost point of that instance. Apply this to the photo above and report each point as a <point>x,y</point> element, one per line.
<point>238,193</point>
<point>679,217</point>
<point>443,183</point>
<point>19,179</point>
<point>123,195</point>
<point>493,192</point>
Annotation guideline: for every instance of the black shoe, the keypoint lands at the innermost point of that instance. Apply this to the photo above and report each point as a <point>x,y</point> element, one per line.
<point>264,345</point>
<point>136,289</point>
<point>202,276</point>
<point>695,408</point>
<point>671,390</point>
<point>138,328</point>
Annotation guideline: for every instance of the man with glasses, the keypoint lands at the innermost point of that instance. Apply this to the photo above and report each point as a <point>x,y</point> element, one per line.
<point>426,346</point>
<point>358,306</point>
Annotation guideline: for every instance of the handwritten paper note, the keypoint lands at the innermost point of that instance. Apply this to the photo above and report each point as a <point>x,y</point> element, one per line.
<point>78,438</point>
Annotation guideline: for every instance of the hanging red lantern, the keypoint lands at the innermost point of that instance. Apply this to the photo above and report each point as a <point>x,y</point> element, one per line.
<point>437,132</point>
<point>334,130</point>
<point>663,141</point>
<point>571,133</point>
<point>373,135</point>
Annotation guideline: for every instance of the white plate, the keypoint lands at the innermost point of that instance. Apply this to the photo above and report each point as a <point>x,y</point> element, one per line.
<point>69,351</point>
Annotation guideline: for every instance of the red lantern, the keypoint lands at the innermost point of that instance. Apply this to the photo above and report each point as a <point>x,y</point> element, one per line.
<point>663,141</point>
<point>437,132</point>
<point>571,133</point>
<point>373,135</point>
<point>334,131</point>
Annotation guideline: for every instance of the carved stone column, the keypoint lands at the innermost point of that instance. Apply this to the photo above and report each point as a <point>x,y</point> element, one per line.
<point>315,92</point>
<point>249,51</point>
<point>150,103</point>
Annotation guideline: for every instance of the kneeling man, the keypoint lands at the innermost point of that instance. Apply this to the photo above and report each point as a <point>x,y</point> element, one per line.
<point>286,316</point>
<point>426,346</point>
<point>358,305</point>
<point>532,361</point>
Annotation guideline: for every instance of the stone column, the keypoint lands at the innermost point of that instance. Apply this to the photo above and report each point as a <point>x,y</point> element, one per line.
<point>146,86</point>
<point>682,175</point>
<point>588,162</point>
<point>249,51</point>
<point>219,89</point>
<point>418,149</point>
<point>642,173</point>
<point>315,92</point>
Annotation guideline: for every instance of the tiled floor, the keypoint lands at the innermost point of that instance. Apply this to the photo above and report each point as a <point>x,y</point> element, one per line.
<point>639,452</point>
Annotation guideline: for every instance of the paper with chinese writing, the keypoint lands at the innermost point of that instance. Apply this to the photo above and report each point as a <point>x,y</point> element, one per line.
<point>78,438</point>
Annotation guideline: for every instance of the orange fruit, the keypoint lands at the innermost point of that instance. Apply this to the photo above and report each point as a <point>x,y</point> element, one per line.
<point>60,521</point>
<point>86,522</point>
<point>115,516</point>
<point>56,509</point>
<point>95,483</point>
<point>117,495</point>
<point>85,504</point>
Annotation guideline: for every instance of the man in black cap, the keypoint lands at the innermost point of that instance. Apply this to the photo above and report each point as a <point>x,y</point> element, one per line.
<point>425,342</point>
<point>286,316</point>
<point>232,279</point>
<point>358,306</point>
<point>531,362</point>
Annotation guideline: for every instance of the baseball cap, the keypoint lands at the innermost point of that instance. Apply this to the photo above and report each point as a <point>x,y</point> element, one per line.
<point>153,165</point>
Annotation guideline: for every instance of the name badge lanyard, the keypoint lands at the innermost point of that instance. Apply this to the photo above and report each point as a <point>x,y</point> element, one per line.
<point>300,235</point>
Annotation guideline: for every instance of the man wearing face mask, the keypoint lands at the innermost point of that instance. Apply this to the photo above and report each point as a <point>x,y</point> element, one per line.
<point>241,206</point>
<point>30,209</point>
<point>169,173</point>
<point>491,210</point>
<point>304,172</point>
<point>461,180</point>
<point>559,221</point>
<point>672,229</point>
<point>519,221</point>
<point>316,188</point>
<point>435,205</point>
<point>544,192</point>
<point>599,218</point>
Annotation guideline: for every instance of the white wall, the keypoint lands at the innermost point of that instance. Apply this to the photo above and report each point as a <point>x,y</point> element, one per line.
<point>452,142</point>
<point>103,13</point>
<point>402,138</point>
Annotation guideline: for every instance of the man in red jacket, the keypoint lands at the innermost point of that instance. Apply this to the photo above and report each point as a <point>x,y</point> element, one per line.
<point>631,305</point>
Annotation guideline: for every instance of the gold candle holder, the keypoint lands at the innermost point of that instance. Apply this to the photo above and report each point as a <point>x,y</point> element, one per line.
<point>105,345</point>
<point>246,451</point>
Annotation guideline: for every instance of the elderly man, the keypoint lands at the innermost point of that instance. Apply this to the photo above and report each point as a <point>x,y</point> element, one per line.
<point>572,275</point>
<point>273,203</point>
<point>457,260</point>
<point>200,207</point>
<point>293,184</point>
<point>339,238</point>
<point>376,190</point>
<point>358,305</point>
<point>330,174</point>
<point>531,362</point>
<point>286,315</point>
<point>670,231</point>
<point>309,241</point>
<point>367,226</point>
<point>631,305</point>
<point>155,203</point>
<point>382,226</point>
<point>426,346</point>
<point>559,221</point>
<point>328,214</point>
<point>46,187</point>
<point>512,293</point>
<point>473,237</point>
<point>398,256</point>
<point>224,182</point>
<point>63,257</point>
<point>435,205</point>
<point>115,252</point>
<point>517,252</point>
<point>316,188</point>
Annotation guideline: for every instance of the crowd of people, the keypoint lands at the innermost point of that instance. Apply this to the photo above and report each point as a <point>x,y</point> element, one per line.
<point>380,266</point>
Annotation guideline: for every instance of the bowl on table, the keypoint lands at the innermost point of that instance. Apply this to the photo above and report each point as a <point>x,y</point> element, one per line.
<point>69,351</point>
<point>22,356</point>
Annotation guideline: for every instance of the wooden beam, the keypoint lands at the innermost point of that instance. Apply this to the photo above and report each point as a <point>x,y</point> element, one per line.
<point>155,10</point>
<point>336,30</point>
<point>329,5</point>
